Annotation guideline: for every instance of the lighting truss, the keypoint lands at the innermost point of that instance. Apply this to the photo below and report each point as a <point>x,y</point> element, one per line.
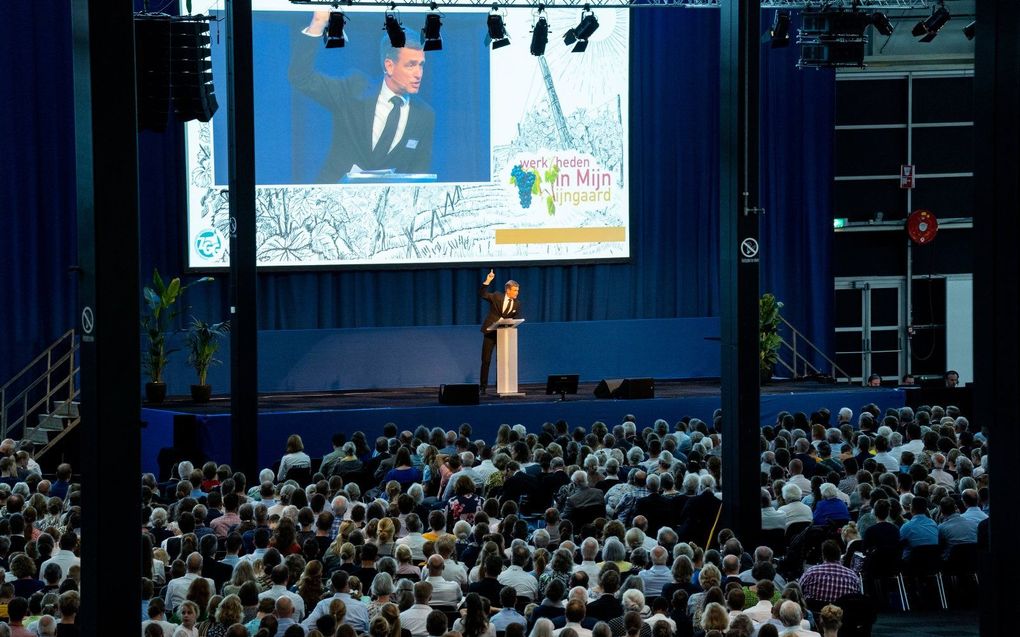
<point>864,5</point>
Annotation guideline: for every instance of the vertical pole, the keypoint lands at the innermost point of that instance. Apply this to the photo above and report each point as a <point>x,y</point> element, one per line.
<point>996,273</point>
<point>243,301</point>
<point>108,306</point>
<point>739,255</point>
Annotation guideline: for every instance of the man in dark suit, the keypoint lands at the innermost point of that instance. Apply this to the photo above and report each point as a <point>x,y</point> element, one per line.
<point>582,501</point>
<point>374,127</point>
<point>501,305</point>
<point>517,484</point>
<point>698,520</point>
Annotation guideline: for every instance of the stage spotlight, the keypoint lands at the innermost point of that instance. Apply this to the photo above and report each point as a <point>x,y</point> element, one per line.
<point>970,30</point>
<point>578,36</point>
<point>334,35</point>
<point>930,28</point>
<point>497,30</point>
<point>393,28</point>
<point>882,24</point>
<point>539,33</point>
<point>430,38</point>
<point>780,31</point>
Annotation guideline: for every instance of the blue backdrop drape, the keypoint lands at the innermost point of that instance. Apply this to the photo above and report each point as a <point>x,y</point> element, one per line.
<point>674,191</point>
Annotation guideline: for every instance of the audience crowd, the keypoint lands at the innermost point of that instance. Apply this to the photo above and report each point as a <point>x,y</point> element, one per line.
<point>584,532</point>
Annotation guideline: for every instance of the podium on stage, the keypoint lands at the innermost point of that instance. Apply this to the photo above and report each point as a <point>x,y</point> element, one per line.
<point>506,356</point>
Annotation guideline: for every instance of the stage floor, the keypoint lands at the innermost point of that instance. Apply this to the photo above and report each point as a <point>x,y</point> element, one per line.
<point>316,416</point>
<point>425,396</point>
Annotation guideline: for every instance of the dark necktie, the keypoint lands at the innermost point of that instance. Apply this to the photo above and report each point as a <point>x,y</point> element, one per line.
<point>382,147</point>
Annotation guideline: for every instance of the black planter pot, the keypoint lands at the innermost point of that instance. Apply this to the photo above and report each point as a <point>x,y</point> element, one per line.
<point>155,393</point>
<point>201,393</point>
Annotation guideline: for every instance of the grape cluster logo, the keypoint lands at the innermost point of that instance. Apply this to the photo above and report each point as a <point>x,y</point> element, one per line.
<point>208,244</point>
<point>530,182</point>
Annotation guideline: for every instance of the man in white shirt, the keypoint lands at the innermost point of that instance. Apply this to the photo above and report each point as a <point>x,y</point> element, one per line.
<point>64,557</point>
<point>357,610</point>
<point>453,571</point>
<point>486,468</point>
<point>883,457</point>
<point>762,611</point>
<point>415,618</point>
<point>177,589</point>
<point>795,510</point>
<point>414,539</point>
<point>444,592</point>
<point>589,550</point>
<point>280,577</point>
<point>797,476</point>
<point>770,517</point>
<point>524,583</point>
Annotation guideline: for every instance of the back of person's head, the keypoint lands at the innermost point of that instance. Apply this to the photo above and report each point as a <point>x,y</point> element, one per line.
<point>632,622</point>
<point>436,623</point>
<point>790,614</point>
<point>575,611</point>
<point>831,618</point>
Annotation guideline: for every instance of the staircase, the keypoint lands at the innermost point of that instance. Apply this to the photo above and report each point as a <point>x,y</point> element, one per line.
<point>792,358</point>
<point>39,403</point>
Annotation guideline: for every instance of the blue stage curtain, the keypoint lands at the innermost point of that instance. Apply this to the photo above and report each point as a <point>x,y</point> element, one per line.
<point>797,116</point>
<point>673,271</point>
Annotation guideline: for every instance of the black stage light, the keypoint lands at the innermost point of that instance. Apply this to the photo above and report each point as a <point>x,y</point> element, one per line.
<point>539,33</point>
<point>497,30</point>
<point>578,36</point>
<point>393,28</point>
<point>930,28</point>
<point>882,24</point>
<point>430,38</point>
<point>334,35</point>
<point>780,32</point>
<point>970,30</point>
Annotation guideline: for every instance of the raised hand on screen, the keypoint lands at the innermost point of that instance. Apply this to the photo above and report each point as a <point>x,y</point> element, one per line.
<point>489,277</point>
<point>319,21</point>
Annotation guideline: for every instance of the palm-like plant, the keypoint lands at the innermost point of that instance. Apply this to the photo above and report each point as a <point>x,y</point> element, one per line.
<point>161,300</point>
<point>769,340</point>
<point>203,342</point>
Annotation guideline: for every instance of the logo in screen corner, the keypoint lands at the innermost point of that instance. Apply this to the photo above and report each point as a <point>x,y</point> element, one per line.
<point>208,244</point>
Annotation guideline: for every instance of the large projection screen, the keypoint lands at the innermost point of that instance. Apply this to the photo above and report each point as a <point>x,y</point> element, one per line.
<point>482,124</point>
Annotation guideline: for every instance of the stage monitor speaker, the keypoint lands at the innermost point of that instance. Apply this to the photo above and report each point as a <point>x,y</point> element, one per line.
<point>608,387</point>
<point>637,388</point>
<point>626,388</point>
<point>466,394</point>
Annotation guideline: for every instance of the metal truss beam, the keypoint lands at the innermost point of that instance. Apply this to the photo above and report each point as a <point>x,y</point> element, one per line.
<point>866,5</point>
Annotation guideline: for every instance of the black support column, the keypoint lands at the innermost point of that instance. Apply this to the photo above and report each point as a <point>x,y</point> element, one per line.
<point>109,299</point>
<point>739,255</point>
<point>243,302</point>
<point>996,273</point>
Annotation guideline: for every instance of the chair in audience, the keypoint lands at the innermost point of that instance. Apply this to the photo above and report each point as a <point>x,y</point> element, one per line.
<point>925,563</point>
<point>881,566</point>
<point>859,615</point>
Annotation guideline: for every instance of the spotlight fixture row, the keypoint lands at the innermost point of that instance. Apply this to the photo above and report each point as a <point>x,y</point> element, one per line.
<point>335,35</point>
<point>931,26</point>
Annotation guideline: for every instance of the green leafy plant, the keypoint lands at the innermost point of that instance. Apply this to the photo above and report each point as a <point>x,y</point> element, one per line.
<point>769,340</point>
<point>161,303</point>
<point>203,341</point>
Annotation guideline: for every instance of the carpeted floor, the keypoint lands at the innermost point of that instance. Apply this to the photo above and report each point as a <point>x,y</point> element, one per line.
<point>950,623</point>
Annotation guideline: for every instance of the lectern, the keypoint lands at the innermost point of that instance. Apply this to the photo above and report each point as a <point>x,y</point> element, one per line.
<point>506,356</point>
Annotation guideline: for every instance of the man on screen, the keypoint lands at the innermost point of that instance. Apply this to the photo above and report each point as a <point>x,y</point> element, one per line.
<point>505,305</point>
<point>376,126</point>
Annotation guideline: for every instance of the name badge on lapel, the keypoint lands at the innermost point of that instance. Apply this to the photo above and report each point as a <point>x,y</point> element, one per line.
<point>412,144</point>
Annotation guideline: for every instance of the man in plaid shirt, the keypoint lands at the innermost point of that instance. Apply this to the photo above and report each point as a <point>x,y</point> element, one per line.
<point>830,580</point>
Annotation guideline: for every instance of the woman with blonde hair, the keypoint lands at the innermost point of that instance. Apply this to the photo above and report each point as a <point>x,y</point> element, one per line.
<point>543,628</point>
<point>338,609</point>
<point>228,613</point>
<point>391,614</point>
<point>243,572</point>
<point>830,620</point>
<point>715,617</point>
<point>386,533</point>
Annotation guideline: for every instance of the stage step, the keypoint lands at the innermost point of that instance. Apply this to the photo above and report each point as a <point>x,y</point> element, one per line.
<point>53,422</point>
<point>37,436</point>
<point>65,408</point>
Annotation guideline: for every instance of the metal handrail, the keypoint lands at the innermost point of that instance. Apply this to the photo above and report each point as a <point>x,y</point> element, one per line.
<point>66,339</point>
<point>798,357</point>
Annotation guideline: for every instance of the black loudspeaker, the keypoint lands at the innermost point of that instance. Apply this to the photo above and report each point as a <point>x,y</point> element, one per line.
<point>627,388</point>
<point>608,387</point>
<point>459,394</point>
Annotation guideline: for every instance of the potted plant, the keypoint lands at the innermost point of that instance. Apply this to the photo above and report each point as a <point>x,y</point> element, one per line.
<point>203,341</point>
<point>157,323</point>
<point>769,340</point>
